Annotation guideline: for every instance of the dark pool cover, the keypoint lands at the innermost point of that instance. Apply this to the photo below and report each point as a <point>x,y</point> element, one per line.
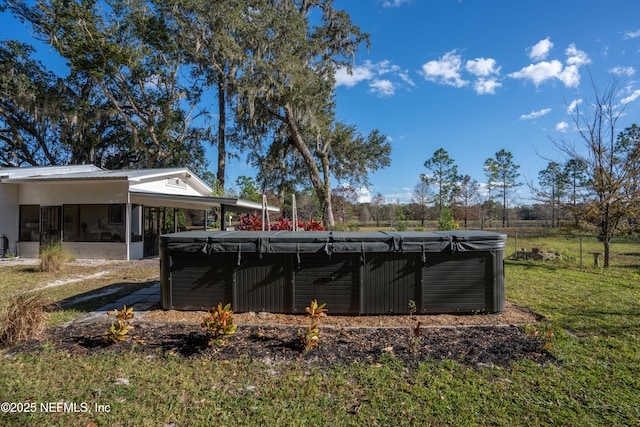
<point>263,242</point>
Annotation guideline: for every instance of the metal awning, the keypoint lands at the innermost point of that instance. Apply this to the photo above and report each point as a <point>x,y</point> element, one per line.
<point>196,202</point>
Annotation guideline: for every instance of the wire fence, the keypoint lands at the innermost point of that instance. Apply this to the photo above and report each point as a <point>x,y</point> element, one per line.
<point>579,250</point>
<point>537,240</point>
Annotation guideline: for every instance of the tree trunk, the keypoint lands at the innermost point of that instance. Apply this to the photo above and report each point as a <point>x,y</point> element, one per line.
<point>606,241</point>
<point>322,190</point>
<point>504,207</point>
<point>222,128</point>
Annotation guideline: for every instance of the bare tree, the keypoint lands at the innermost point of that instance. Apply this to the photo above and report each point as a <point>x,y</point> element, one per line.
<point>377,203</point>
<point>610,159</point>
<point>502,173</point>
<point>421,195</point>
<point>554,183</point>
<point>469,197</point>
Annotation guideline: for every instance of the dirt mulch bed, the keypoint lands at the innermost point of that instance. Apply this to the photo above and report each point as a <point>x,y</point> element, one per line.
<point>476,341</point>
<point>512,315</point>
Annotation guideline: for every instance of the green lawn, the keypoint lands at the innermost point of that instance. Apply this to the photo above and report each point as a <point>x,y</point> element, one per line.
<point>594,314</point>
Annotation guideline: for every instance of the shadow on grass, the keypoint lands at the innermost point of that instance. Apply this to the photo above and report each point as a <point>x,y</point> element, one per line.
<point>617,323</point>
<point>529,265</point>
<point>30,269</point>
<point>91,300</point>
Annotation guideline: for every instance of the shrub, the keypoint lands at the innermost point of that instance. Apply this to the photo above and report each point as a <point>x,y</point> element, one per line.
<point>120,326</point>
<point>24,317</point>
<point>250,222</point>
<point>219,324</point>
<point>310,338</point>
<point>401,225</point>
<point>446,221</point>
<point>315,311</point>
<point>253,222</point>
<point>312,225</point>
<point>53,257</point>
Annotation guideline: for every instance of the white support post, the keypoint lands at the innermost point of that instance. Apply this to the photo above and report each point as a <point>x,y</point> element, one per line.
<point>265,214</point>
<point>294,213</point>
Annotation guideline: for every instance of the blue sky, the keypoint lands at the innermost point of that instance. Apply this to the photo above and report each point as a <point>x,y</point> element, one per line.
<point>474,77</point>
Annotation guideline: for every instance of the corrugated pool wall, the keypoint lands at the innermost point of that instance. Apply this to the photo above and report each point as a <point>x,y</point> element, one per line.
<point>370,283</point>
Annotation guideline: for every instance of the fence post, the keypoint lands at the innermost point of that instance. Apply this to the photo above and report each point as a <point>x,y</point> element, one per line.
<point>580,252</point>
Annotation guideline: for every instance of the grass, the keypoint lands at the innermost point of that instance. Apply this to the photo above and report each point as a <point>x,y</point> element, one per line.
<point>24,318</point>
<point>595,315</point>
<point>113,280</point>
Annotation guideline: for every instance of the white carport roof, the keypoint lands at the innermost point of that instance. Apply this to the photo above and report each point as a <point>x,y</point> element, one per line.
<point>93,173</point>
<point>196,202</point>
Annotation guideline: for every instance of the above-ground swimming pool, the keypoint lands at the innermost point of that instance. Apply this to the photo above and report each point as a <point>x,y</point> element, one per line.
<point>352,272</point>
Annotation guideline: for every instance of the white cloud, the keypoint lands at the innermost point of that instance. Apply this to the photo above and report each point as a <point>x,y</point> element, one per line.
<point>543,71</point>
<point>632,34</point>
<point>482,67</point>
<point>370,72</point>
<point>445,70</point>
<point>382,87</point>
<point>356,75</point>
<point>404,75</point>
<point>634,95</point>
<point>576,56</point>
<point>574,104</point>
<point>395,3</point>
<point>535,114</point>
<point>549,70</point>
<point>364,195</point>
<point>622,71</point>
<point>540,50</point>
<point>540,72</point>
<point>562,126</point>
<point>486,86</point>
<point>570,76</point>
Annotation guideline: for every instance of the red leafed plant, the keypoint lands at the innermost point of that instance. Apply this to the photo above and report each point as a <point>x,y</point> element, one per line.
<point>312,225</point>
<point>253,222</point>
<point>284,224</point>
<point>250,222</point>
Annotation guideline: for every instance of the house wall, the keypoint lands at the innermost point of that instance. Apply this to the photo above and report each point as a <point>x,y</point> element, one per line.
<point>61,193</point>
<point>28,249</point>
<point>173,185</point>
<point>97,250</point>
<point>80,250</point>
<point>9,214</point>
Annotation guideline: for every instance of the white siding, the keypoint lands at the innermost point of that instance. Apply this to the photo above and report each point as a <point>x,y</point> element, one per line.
<point>9,214</point>
<point>173,185</point>
<point>65,193</point>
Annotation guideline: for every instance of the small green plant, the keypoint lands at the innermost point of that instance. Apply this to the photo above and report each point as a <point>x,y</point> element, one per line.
<point>310,338</point>
<point>316,311</point>
<point>412,307</point>
<point>53,257</point>
<point>120,326</point>
<point>219,324</point>
<point>544,336</point>
<point>23,318</point>
<point>414,333</point>
<point>446,220</point>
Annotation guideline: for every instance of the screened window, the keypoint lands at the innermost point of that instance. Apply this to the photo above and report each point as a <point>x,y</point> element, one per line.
<point>30,223</point>
<point>94,223</point>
